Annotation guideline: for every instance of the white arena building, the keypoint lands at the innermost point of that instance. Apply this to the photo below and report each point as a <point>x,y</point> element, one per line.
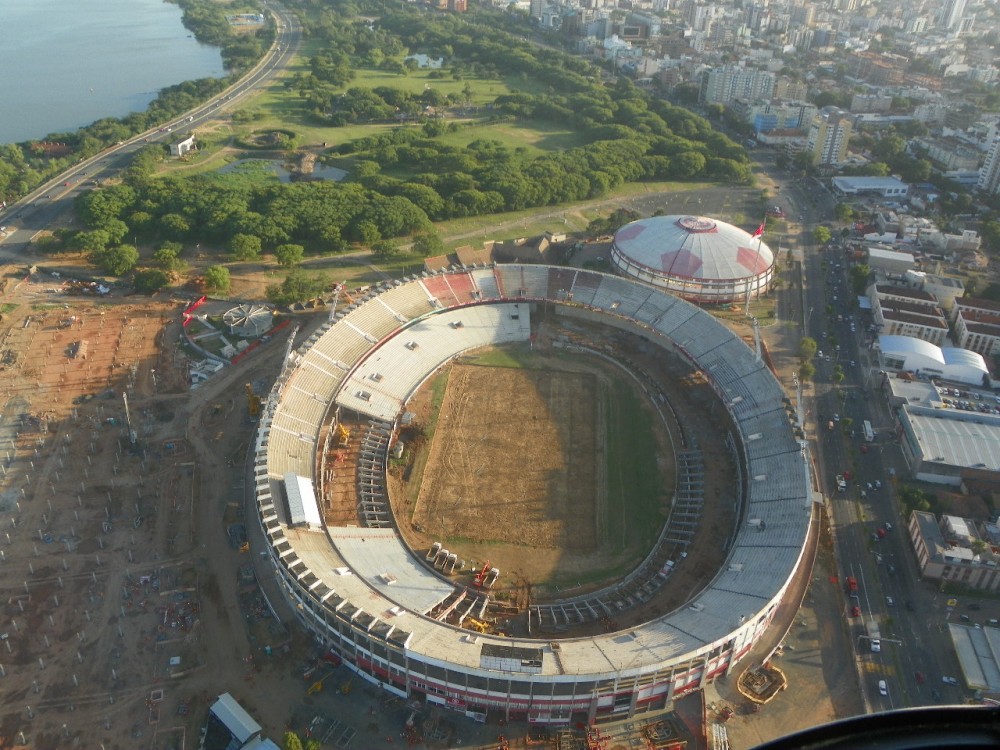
<point>362,593</point>
<point>700,259</point>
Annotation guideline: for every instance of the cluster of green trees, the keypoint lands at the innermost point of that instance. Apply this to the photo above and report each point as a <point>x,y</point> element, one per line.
<point>403,179</point>
<point>25,166</point>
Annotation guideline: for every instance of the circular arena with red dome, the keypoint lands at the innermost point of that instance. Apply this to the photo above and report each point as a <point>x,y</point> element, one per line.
<point>394,616</point>
<point>695,257</point>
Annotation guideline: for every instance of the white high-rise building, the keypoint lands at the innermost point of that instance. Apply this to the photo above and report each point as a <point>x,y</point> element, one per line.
<point>828,135</point>
<point>989,174</point>
<point>723,85</point>
<point>950,17</point>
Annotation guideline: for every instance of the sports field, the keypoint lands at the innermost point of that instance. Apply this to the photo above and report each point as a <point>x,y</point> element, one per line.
<point>516,470</point>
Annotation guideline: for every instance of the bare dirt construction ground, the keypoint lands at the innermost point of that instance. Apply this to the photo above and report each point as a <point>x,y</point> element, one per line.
<point>120,617</point>
<point>515,472</point>
<point>513,468</point>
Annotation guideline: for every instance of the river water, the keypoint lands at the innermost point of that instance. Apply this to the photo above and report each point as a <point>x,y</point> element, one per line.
<point>66,63</point>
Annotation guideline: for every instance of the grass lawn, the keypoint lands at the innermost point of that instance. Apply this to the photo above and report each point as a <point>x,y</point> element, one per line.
<point>438,385</point>
<point>538,137</point>
<point>634,490</point>
<point>508,356</point>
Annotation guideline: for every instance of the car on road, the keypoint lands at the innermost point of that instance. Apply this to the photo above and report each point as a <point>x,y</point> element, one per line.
<point>883,689</point>
<point>950,681</point>
<point>890,602</point>
<point>855,611</point>
<point>880,532</point>
<point>919,677</point>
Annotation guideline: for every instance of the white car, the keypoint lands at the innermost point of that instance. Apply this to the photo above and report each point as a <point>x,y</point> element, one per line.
<point>883,689</point>
<point>949,681</point>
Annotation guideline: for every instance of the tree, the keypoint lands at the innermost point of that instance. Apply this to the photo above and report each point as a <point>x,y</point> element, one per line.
<point>807,348</point>
<point>844,212</point>
<point>296,287</point>
<point>291,741</point>
<point>216,279</point>
<point>807,370</point>
<point>991,235</point>
<point>427,244</point>
<point>118,260</point>
<point>859,277</point>
<point>289,255</point>
<point>150,280</point>
<point>245,246</point>
<point>385,249</point>
<point>166,257</point>
<point>821,235</point>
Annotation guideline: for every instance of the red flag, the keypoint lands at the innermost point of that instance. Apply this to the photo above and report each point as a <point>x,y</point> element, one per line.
<point>759,232</point>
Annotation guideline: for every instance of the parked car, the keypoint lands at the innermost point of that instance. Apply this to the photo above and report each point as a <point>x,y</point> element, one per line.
<point>883,689</point>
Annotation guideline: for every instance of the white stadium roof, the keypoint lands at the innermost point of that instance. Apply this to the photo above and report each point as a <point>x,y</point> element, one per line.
<point>368,574</point>
<point>693,247</point>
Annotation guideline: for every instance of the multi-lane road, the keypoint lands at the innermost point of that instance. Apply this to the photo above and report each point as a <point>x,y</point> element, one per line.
<point>871,539</point>
<point>42,208</point>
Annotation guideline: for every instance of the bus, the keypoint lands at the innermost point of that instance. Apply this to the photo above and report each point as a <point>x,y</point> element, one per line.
<point>869,432</point>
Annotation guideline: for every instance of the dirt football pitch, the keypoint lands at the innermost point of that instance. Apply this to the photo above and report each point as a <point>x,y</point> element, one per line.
<point>516,472</point>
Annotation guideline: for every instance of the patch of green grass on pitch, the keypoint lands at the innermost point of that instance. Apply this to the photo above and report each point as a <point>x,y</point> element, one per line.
<point>439,386</point>
<point>634,490</point>
<point>511,357</point>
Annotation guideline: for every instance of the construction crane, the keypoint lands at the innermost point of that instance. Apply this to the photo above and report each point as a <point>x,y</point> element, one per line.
<point>253,401</point>
<point>132,437</point>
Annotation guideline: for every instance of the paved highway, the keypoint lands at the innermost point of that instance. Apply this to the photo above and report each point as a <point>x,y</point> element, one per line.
<point>42,208</point>
<point>871,539</point>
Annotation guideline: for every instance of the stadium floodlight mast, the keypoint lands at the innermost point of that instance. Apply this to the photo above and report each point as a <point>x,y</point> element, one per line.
<point>759,236</point>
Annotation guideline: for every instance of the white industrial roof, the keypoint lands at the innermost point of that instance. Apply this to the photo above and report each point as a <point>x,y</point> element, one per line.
<point>302,506</point>
<point>379,557</point>
<point>237,720</point>
<point>910,345</point>
<point>694,247</point>
<point>977,650</point>
<point>957,438</point>
<point>963,357</point>
<point>854,184</point>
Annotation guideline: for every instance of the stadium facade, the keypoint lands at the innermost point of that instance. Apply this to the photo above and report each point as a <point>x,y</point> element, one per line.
<point>700,259</point>
<point>364,595</point>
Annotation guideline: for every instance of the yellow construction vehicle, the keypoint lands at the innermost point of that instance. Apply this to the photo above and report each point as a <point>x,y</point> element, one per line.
<point>342,435</point>
<point>245,547</point>
<point>478,625</point>
<point>253,401</point>
<point>318,685</point>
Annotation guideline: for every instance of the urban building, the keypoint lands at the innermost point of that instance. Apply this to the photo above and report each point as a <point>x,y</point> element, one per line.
<point>902,311</point>
<point>886,187</point>
<point>906,354</point>
<point>950,17</point>
<point>694,257</point>
<point>955,549</point>
<point>829,134</point>
<point>989,173</point>
<point>730,82</point>
<point>977,325</point>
